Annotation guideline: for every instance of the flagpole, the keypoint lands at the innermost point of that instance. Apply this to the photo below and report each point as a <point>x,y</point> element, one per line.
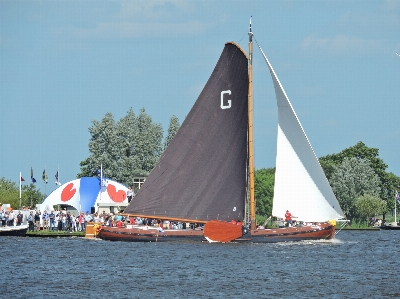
<point>20,190</point>
<point>395,200</point>
<point>101,178</point>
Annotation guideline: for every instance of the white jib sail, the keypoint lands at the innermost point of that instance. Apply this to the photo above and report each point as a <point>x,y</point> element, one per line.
<point>300,183</point>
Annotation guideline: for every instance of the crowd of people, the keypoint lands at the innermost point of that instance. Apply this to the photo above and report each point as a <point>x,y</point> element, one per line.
<point>67,221</point>
<point>11,218</point>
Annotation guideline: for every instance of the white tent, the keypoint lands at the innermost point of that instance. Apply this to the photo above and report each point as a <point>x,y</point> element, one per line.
<point>85,193</point>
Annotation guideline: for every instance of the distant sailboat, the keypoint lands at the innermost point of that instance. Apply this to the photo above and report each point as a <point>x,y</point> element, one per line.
<point>207,170</point>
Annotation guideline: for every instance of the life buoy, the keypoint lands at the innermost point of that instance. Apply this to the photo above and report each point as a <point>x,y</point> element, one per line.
<point>97,228</point>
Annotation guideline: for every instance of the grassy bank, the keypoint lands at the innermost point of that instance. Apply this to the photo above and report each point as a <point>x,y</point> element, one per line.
<point>45,233</point>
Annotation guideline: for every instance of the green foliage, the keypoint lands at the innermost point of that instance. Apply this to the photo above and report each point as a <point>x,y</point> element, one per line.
<point>31,196</point>
<point>264,180</point>
<point>127,148</point>
<point>351,179</point>
<point>368,206</point>
<point>9,194</point>
<point>388,182</point>
<point>360,151</point>
<point>260,219</point>
<point>172,129</point>
<point>393,183</point>
<point>148,148</point>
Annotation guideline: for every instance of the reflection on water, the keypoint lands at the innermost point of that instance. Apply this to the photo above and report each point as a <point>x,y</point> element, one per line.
<point>357,264</point>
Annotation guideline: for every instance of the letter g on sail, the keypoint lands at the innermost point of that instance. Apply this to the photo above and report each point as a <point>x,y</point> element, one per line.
<point>222,100</point>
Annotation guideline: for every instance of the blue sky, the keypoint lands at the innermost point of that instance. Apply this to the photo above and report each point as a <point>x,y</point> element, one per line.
<point>66,63</point>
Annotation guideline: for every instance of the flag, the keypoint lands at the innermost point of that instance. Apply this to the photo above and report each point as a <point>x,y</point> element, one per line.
<point>103,182</point>
<point>21,179</point>
<point>32,178</point>
<point>57,181</point>
<point>397,197</point>
<point>44,176</point>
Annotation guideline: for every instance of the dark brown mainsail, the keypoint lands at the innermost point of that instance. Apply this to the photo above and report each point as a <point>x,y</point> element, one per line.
<point>202,175</point>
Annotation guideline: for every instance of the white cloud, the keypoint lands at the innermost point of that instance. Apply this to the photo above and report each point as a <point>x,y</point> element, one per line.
<point>391,5</point>
<point>126,30</point>
<point>155,9</point>
<point>341,44</point>
<point>149,18</point>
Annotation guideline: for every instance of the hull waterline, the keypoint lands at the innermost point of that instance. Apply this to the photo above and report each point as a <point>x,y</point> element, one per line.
<point>292,234</point>
<point>289,234</point>
<point>148,235</point>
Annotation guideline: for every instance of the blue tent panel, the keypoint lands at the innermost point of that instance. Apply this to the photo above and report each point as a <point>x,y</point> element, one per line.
<point>89,190</point>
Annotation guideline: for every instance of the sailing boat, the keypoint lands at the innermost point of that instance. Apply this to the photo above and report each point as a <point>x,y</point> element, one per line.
<point>204,175</point>
<point>393,225</point>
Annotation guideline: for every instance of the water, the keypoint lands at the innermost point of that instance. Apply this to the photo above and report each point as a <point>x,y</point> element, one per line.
<point>357,264</point>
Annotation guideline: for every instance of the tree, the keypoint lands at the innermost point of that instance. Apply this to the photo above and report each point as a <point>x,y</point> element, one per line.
<point>31,196</point>
<point>353,178</point>
<point>264,180</point>
<point>172,129</point>
<point>393,183</point>
<point>148,147</point>
<point>127,148</point>
<point>360,151</point>
<point>9,194</point>
<point>103,147</point>
<point>368,206</point>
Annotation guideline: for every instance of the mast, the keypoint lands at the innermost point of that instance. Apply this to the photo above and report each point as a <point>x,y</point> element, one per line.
<point>395,207</point>
<point>251,149</point>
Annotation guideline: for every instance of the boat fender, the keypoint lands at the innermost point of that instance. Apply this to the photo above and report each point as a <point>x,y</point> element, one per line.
<point>245,230</point>
<point>332,222</point>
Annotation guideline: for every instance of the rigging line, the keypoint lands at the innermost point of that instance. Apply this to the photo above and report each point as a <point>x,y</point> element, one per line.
<point>242,38</point>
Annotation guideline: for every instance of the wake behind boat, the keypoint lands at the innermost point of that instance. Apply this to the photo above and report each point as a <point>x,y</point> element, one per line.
<point>207,170</point>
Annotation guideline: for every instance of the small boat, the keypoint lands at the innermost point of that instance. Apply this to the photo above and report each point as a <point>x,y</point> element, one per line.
<point>18,231</point>
<point>390,226</point>
<point>207,171</point>
<point>393,225</point>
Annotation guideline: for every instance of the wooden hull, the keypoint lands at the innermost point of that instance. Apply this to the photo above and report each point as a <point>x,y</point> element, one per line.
<point>291,234</point>
<point>288,234</point>
<point>149,235</point>
<point>18,231</point>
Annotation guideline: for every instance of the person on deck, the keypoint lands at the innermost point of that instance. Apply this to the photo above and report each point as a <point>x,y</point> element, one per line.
<point>288,218</point>
<point>129,194</point>
<point>37,220</point>
<point>45,219</point>
<point>119,223</point>
<point>30,221</point>
<point>20,218</point>
<point>52,218</point>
